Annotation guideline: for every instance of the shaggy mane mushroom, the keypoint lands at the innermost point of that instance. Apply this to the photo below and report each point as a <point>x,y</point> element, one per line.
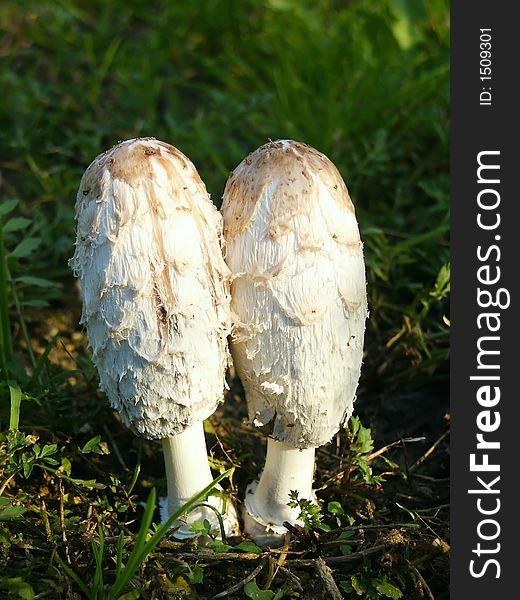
<point>299,308</point>
<point>156,305</point>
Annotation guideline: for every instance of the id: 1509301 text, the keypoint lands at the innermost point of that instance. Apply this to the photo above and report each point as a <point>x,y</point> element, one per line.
<point>485,98</point>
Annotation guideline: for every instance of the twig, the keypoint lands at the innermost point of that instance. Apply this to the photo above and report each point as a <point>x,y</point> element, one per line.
<point>6,483</point>
<point>325,574</point>
<point>432,479</point>
<point>240,584</point>
<point>427,510</point>
<point>292,577</point>
<point>440,548</point>
<point>369,457</point>
<point>226,454</point>
<point>206,556</point>
<point>429,451</point>
<point>339,560</point>
<point>116,448</point>
<point>387,526</point>
<point>45,519</point>
<point>339,542</point>
<point>271,572</point>
<point>421,579</point>
<point>62,522</point>
<point>283,556</point>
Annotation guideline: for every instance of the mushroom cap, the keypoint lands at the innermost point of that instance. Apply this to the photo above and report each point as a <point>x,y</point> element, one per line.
<point>298,291</point>
<point>154,284</point>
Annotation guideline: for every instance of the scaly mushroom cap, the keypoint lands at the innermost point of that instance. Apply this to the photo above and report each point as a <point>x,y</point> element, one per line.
<point>298,293</point>
<point>155,286</point>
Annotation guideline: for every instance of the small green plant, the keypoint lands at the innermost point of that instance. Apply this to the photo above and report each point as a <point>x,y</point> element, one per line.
<point>204,528</point>
<point>360,443</point>
<point>344,538</point>
<point>16,587</point>
<point>146,541</point>
<point>370,586</point>
<point>310,513</point>
<point>252,591</point>
<point>20,454</point>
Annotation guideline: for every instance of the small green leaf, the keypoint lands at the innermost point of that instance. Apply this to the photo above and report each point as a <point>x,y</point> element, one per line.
<point>358,585</point>
<point>7,206</point>
<point>196,575</point>
<point>133,595</point>
<point>92,446</point>
<point>198,527</point>
<point>346,534</point>
<point>90,484</point>
<point>252,591</point>
<point>218,546</point>
<point>249,547</point>
<point>48,450</point>
<point>335,508</point>
<point>36,303</point>
<point>25,247</point>
<point>66,466</point>
<point>28,463</point>
<point>346,586</point>
<point>37,281</point>
<point>16,224</point>
<point>384,587</point>
<point>11,512</point>
<point>17,587</point>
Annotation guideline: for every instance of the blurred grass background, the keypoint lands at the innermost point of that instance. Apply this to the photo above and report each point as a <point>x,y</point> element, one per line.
<point>364,81</point>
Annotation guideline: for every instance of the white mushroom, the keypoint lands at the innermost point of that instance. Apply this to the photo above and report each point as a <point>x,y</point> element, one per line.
<point>156,305</point>
<point>299,306</point>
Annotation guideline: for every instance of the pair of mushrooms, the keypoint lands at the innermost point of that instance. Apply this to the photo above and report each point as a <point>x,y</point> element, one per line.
<point>165,279</point>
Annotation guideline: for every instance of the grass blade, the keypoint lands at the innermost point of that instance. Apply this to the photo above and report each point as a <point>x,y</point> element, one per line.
<point>75,578</point>
<point>21,319</point>
<point>98,551</point>
<point>42,361</point>
<point>16,399</point>
<point>119,554</point>
<point>135,476</point>
<point>6,348</point>
<point>142,549</point>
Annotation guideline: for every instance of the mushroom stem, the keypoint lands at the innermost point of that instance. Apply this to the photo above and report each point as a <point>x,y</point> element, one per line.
<point>266,503</point>
<point>187,473</point>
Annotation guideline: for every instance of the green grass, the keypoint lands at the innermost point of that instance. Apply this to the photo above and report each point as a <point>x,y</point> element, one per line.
<point>365,82</point>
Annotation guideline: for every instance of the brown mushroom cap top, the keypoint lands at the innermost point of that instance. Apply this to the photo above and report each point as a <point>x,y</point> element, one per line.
<point>296,169</point>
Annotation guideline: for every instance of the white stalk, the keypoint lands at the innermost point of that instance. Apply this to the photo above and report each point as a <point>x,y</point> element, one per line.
<point>286,468</point>
<point>187,473</point>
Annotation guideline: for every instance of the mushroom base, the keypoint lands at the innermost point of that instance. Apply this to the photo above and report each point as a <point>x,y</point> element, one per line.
<point>266,503</point>
<point>187,473</point>
<point>182,527</point>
